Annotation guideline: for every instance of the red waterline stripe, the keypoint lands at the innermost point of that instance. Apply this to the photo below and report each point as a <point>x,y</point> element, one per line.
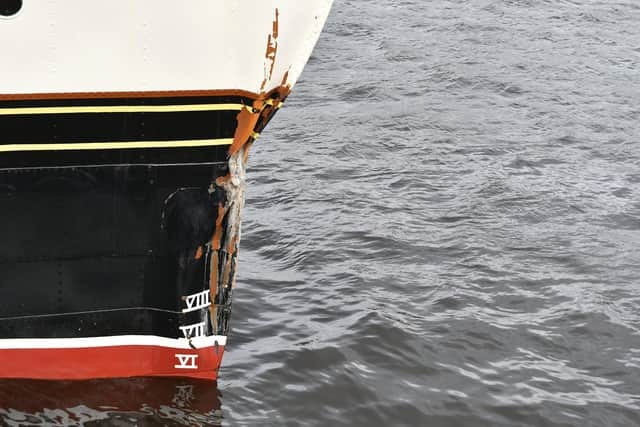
<point>110,362</point>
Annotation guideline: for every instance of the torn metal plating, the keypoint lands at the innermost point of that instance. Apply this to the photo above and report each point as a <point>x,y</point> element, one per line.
<point>223,249</point>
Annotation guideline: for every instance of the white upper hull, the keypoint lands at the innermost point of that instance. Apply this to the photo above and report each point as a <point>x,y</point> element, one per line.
<point>62,46</point>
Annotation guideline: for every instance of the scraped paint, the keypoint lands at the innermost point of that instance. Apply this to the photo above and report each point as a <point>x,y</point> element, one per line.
<point>272,51</point>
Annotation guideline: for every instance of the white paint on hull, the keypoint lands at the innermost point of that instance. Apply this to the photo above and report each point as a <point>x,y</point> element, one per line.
<point>112,341</point>
<point>57,46</point>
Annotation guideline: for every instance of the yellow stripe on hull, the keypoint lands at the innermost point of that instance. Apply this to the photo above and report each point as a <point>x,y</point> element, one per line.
<point>116,145</point>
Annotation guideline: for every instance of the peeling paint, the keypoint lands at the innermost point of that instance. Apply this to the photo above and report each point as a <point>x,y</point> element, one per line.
<point>247,121</point>
<point>215,241</point>
<point>223,247</point>
<point>272,51</point>
<point>235,189</point>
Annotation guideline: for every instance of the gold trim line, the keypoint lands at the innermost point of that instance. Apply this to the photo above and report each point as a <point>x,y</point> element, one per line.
<point>116,145</point>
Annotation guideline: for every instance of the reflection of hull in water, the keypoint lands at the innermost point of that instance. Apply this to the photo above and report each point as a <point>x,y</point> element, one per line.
<point>164,400</point>
<point>122,177</point>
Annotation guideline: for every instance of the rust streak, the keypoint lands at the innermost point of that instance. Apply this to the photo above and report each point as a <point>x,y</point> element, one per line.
<point>217,235</point>
<point>221,180</point>
<point>276,24</point>
<point>285,81</point>
<point>247,120</point>
<point>272,51</point>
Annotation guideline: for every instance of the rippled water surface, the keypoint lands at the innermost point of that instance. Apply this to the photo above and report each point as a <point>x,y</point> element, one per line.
<point>443,225</point>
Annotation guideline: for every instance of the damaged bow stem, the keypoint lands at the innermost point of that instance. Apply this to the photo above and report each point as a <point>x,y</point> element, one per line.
<point>226,238</point>
<point>222,250</point>
<point>222,253</point>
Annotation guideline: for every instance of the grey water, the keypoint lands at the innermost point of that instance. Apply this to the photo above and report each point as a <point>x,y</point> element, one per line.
<point>443,225</point>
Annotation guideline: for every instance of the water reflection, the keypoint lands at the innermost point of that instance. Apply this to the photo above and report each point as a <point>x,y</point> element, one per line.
<point>139,401</point>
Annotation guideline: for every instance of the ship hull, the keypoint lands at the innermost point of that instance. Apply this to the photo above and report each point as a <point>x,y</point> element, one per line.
<point>123,174</point>
<point>118,256</point>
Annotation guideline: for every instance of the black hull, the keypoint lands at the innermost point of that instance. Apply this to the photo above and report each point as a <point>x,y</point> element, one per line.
<point>120,226</point>
<point>112,241</point>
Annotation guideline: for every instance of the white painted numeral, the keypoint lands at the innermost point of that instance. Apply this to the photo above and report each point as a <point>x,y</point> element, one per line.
<point>186,361</point>
<point>193,331</point>
<point>197,301</point>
